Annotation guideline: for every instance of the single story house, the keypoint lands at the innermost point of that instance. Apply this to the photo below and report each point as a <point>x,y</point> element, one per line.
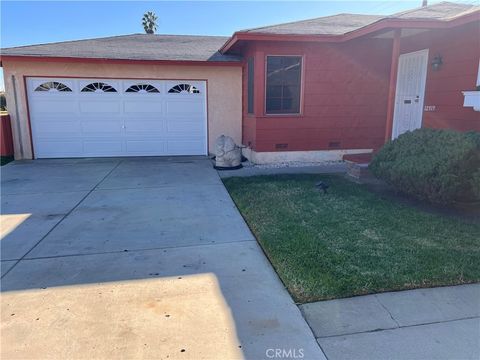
<point>309,90</point>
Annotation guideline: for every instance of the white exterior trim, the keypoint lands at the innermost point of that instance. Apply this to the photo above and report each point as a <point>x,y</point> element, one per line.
<point>472,98</point>
<point>478,74</point>
<point>317,156</point>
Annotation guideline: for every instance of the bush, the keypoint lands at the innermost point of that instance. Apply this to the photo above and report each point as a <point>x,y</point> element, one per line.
<point>3,102</point>
<point>440,166</point>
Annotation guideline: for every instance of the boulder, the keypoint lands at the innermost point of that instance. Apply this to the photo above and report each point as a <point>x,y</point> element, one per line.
<point>227,153</point>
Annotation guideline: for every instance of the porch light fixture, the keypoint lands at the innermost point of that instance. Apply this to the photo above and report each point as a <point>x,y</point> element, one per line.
<point>437,62</point>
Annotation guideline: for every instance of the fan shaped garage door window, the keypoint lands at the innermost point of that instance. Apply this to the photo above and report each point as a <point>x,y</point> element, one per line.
<point>142,88</point>
<point>184,88</point>
<point>98,87</point>
<point>53,86</point>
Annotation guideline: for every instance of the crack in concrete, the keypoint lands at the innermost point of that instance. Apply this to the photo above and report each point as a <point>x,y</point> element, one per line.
<point>60,221</point>
<point>129,250</point>
<point>388,311</point>
<point>400,327</point>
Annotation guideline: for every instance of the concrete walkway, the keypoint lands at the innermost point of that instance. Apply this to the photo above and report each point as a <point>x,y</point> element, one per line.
<point>437,323</point>
<point>136,258</point>
<point>331,168</point>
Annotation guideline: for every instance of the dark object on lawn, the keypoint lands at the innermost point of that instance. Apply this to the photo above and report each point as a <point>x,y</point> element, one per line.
<point>440,166</point>
<point>322,186</point>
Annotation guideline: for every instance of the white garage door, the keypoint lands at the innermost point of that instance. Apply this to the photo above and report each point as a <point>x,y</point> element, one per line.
<point>115,117</point>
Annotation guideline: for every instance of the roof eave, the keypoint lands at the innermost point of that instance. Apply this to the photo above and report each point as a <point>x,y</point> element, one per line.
<point>381,24</point>
<point>118,61</point>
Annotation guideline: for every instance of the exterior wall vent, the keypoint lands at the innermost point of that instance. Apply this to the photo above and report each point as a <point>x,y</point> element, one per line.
<point>334,144</point>
<point>281,146</point>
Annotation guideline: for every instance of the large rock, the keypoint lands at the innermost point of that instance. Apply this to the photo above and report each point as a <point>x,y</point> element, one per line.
<point>228,154</point>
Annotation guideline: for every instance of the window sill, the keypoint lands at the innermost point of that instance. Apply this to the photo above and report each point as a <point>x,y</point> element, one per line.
<point>472,99</point>
<point>280,115</point>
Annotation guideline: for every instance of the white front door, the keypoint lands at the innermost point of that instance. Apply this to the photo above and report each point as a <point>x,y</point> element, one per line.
<point>117,117</point>
<point>410,92</point>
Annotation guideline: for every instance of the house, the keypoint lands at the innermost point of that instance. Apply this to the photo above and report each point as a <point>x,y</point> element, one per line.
<point>310,90</point>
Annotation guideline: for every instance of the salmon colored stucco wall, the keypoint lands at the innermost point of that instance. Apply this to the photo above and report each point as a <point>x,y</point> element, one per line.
<point>224,91</point>
<point>345,88</point>
<point>459,48</point>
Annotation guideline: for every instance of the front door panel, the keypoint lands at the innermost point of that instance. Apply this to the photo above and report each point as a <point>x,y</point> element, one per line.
<point>410,92</point>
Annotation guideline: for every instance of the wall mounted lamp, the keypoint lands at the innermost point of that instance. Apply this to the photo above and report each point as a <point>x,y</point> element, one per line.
<point>437,62</point>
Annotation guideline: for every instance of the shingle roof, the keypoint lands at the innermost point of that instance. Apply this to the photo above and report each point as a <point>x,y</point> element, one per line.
<point>343,23</point>
<point>133,47</point>
<point>441,11</point>
<point>327,25</point>
<point>206,48</point>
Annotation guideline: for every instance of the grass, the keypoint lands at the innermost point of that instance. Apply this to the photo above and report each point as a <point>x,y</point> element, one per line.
<point>352,241</point>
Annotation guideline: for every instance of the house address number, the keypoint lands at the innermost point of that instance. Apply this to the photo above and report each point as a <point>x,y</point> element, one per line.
<point>429,108</point>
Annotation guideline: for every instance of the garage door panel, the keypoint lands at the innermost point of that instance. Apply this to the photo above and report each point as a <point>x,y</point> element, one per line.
<point>184,107</point>
<point>185,126</point>
<point>102,127</point>
<point>178,147</point>
<point>146,147</point>
<point>82,83</point>
<point>49,147</point>
<point>145,120</point>
<point>95,107</point>
<point>199,85</point>
<point>52,87</point>
<point>158,84</point>
<point>153,107</point>
<point>42,119</point>
<point>143,126</point>
<point>103,147</point>
<point>64,128</point>
<point>55,107</point>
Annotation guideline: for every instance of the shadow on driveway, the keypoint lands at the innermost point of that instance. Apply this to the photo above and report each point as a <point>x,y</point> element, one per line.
<point>136,258</point>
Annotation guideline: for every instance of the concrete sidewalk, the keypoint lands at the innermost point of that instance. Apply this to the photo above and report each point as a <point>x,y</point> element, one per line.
<point>255,170</point>
<point>436,323</point>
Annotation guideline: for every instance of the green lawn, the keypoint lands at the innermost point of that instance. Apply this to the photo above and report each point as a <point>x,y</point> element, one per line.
<point>352,241</point>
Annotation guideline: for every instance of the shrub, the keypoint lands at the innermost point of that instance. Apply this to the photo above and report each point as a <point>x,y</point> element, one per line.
<point>3,102</point>
<point>440,166</point>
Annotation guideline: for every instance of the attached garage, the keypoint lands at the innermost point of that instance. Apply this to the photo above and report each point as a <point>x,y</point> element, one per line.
<point>130,95</point>
<point>117,117</point>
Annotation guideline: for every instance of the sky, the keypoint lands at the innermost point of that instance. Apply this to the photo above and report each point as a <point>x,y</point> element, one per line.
<point>35,22</point>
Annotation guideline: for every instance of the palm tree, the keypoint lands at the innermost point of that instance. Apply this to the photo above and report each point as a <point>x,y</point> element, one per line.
<point>149,22</point>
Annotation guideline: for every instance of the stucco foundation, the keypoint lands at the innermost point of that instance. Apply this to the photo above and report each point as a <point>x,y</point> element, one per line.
<point>299,156</point>
<point>224,91</point>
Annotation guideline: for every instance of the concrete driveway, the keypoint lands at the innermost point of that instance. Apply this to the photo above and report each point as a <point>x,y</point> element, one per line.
<point>136,258</point>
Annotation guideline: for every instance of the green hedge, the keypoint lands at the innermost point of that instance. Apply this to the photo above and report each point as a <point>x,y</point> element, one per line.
<point>440,166</point>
